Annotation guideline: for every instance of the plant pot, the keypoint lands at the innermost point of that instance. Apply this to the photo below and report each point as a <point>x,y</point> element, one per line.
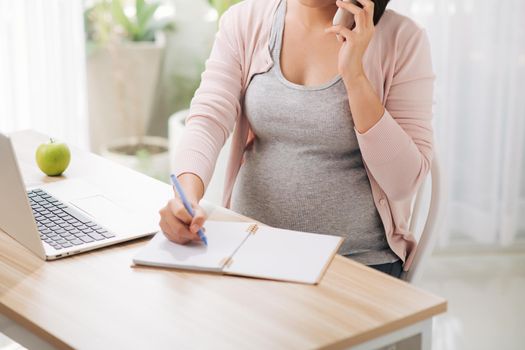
<point>122,79</point>
<point>150,158</point>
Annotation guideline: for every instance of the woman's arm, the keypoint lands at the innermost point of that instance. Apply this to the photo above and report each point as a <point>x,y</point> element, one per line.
<point>398,149</point>
<point>395,141</point>
<point>193,187</point>
<point>366,107</point>
<point>213,113</point>
<point>214,109</point>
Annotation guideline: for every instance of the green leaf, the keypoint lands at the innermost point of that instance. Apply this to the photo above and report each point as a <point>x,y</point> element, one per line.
<point>139,5</point>
<point>148,35</point>
<point>145,15</point>
<point>120,17</point>
<point>108,18</point>
<point>162,24</point>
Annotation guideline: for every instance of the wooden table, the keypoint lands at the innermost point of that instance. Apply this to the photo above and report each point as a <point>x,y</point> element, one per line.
<point>97,300</point>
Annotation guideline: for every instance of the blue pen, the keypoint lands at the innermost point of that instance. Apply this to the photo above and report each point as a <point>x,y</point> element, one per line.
<point>187,205</point>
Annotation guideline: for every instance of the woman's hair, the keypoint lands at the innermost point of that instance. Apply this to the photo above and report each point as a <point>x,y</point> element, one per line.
<point>379,9</point>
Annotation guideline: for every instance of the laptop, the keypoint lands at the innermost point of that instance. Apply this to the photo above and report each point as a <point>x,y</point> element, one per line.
<point>65,217</point>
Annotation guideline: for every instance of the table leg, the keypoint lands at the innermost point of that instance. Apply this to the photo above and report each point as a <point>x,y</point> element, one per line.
<point>22,336</point>
<point>426,336</point>
<point>389,341</point>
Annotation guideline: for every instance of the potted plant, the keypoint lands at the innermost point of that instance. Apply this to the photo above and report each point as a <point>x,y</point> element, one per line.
<point>125,49</point>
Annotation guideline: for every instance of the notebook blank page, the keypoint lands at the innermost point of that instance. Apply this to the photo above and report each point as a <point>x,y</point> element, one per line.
<point>284,255</point>
<point>223,239</point>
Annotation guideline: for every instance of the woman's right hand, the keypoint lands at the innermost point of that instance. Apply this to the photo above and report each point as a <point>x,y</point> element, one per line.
<point>178,225</point>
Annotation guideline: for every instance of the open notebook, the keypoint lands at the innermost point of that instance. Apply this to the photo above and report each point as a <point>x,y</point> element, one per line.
<point>247,249</point>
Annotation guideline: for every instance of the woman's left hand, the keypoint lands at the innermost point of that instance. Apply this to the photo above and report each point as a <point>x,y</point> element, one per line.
<point>356,41</point>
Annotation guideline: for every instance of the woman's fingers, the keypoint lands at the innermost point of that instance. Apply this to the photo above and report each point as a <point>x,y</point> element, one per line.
<point>368,7</point>
<point>367,4</point>
<point>359,13</point>
<point>364,17</point>
<point>178,209</point>
<point>177,223</point>
<point>341,30</point>
<point>364,21</point>
<point>171,235</point>
<point>175,229</point>
<point>180,228</point>
<point>198,220</point>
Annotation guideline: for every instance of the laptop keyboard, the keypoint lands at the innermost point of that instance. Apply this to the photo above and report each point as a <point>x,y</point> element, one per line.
<point>60,225</point>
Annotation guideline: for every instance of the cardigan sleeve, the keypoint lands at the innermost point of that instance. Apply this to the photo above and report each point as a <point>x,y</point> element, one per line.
<point>214,108</point>
<point>398,148</point>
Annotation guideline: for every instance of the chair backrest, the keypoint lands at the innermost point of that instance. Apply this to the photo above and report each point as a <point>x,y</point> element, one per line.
<point>433,221</point>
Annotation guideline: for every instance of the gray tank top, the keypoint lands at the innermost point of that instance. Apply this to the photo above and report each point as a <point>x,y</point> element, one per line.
<point>304,170</point>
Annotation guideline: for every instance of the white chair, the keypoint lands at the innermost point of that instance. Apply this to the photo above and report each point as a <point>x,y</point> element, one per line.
<point>433,221</point>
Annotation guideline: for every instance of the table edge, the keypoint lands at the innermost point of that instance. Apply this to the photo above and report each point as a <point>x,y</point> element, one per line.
<point>33,328</point>
<point>389,328</point>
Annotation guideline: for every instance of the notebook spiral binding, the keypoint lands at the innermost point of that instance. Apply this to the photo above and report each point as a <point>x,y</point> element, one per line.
<point>252,229</point>
<point>226,262</point>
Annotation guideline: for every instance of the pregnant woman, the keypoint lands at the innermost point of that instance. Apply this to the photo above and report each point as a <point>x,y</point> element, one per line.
<point>331,125</point>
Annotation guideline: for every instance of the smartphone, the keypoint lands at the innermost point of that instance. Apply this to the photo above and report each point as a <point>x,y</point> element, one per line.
<point>344,17</point>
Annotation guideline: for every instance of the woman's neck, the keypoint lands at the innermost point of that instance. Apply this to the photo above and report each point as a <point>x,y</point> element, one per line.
<point>312,14</point>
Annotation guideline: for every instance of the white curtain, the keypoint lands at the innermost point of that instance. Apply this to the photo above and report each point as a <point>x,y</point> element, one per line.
<point>42,68</point>
<point>479,58</point>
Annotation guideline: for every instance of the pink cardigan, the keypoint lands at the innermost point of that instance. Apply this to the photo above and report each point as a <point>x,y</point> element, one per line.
<point>397,151</point>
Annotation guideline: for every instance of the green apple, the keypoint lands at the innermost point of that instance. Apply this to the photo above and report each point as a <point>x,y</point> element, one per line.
<point>53,157</point>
